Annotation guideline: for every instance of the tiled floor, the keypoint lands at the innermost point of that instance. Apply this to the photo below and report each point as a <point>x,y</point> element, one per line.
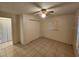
<point>40,47</point>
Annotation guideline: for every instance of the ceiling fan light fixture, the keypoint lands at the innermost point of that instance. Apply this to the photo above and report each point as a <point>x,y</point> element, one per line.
<point>43,15</point>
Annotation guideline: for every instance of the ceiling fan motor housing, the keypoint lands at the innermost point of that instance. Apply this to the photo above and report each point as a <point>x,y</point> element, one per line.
<point>44,10</point>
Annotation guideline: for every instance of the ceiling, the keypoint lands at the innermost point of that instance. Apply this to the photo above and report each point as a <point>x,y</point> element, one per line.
<point>31,7</point>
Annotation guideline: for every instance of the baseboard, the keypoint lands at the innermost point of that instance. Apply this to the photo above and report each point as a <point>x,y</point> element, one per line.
<point>76,52</point>
<point>56,40</point>
<point>14,43</point>
<point>30,41</point>
<point>47,38</point>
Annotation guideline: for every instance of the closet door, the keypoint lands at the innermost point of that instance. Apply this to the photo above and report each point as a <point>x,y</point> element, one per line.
<point>78,34</point>
<point>1,32</point>
<point>5,31</point>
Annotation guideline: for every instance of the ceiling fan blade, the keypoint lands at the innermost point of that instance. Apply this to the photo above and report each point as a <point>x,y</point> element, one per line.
<point>58,5</point>
<point>50,12</point>
<point>37,5</point>
<point>37,12</point>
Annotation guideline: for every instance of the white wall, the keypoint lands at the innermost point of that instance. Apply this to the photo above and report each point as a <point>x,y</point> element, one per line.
<point>15,30</point>
<point>60,28</point>
<point>30,30</point>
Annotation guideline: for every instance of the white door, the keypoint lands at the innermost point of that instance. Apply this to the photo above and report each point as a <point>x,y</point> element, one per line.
<point>5,30</point>
<point>77,42</point>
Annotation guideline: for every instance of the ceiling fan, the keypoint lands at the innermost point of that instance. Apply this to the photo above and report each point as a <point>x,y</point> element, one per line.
<point>45,12</point>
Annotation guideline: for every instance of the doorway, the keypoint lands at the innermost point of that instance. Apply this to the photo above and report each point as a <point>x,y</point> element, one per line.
<point>5,32</point>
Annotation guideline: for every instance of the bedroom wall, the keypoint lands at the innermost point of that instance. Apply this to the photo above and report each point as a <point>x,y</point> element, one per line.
<point>60,28</point>
<point>16,29</point>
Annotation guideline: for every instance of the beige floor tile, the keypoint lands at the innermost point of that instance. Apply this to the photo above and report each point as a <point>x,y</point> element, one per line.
<point>41,47</point>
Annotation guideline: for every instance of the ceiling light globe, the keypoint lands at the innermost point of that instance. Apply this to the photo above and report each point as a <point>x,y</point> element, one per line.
<point>43,15</point>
